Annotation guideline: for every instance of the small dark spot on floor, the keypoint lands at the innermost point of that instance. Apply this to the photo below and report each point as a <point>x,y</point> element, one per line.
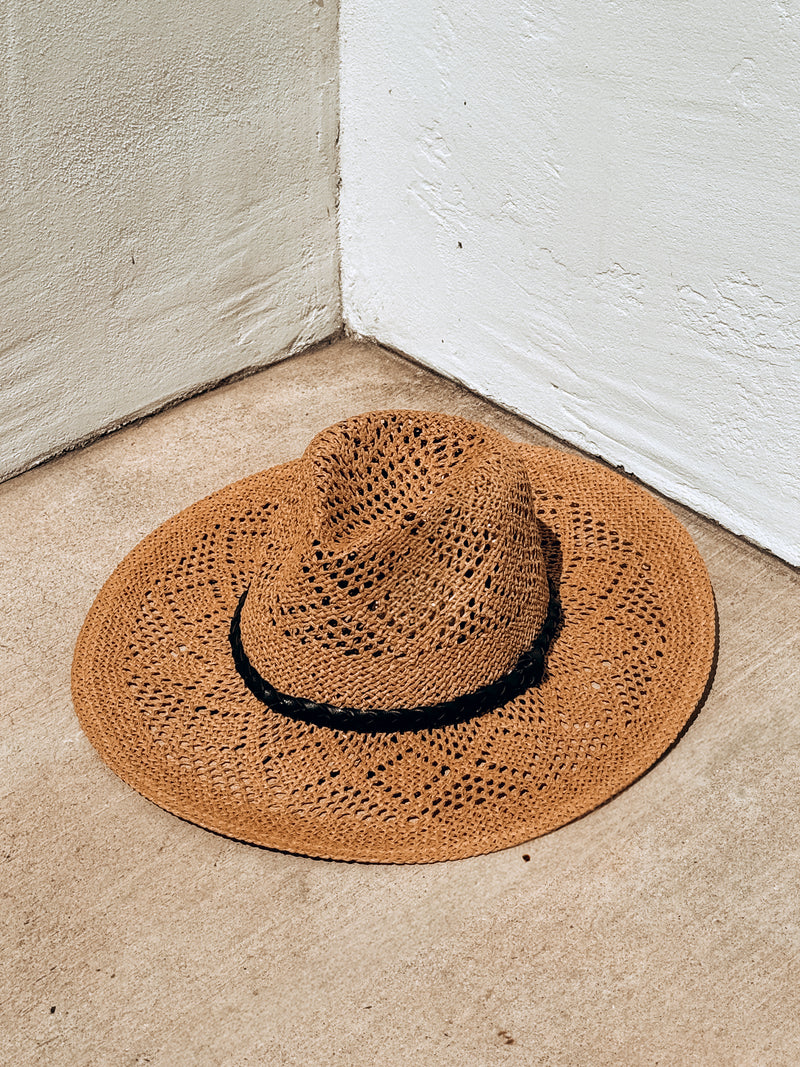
<point>53,1010</point>
<point>527,858</point>
<point>507,1038</point>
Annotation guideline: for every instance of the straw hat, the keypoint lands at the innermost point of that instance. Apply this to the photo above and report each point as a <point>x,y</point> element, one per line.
<point>420,641</point>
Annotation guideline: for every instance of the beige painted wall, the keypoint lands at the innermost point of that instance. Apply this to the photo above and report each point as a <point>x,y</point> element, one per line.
<point>168,217</point>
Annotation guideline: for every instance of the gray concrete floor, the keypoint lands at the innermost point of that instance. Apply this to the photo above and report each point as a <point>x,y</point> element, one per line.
<point>663,928</point>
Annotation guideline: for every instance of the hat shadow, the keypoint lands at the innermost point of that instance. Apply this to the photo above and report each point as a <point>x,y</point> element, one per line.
<point>551,547</point>
<point>554,563</point>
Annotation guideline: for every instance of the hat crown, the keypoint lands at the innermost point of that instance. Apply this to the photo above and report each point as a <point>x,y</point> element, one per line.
<point>413,572</point>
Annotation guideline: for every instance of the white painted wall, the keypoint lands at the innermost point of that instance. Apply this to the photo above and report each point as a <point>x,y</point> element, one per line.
<point>591,214</point>
<point>168,209</point>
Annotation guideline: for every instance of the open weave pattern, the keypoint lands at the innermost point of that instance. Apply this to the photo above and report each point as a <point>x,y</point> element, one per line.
<point>156,691</point>
<point>527,672</point>
<point>413,572</point>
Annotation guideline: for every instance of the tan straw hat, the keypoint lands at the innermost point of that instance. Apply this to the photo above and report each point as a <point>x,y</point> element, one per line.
<point>420,641</point>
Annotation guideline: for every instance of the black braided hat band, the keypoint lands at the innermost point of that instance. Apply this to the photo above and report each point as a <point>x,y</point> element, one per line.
<point>526,673</point>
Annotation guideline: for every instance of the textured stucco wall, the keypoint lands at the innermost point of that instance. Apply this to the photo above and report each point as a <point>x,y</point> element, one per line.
<point>168,217</point>
<point>591,213</point>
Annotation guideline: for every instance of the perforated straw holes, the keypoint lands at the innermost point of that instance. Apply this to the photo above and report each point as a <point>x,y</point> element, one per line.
<point>183,616</point>
<point>158,694</point>
<point>416,574</point>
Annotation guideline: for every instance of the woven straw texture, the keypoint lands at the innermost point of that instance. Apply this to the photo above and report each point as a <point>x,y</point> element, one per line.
<point>404,559</point>
<point>411,571</point>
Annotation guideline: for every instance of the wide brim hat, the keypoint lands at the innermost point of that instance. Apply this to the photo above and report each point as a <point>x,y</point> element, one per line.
<point>419,641</point>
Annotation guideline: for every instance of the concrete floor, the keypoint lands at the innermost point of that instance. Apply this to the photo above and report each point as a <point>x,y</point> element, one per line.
<point>663,928</point>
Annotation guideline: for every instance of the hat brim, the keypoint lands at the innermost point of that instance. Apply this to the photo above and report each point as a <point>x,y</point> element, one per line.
<point>156,690</point>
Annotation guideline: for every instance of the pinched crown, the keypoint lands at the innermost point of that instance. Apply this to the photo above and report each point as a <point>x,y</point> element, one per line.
<point>414,572</point>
